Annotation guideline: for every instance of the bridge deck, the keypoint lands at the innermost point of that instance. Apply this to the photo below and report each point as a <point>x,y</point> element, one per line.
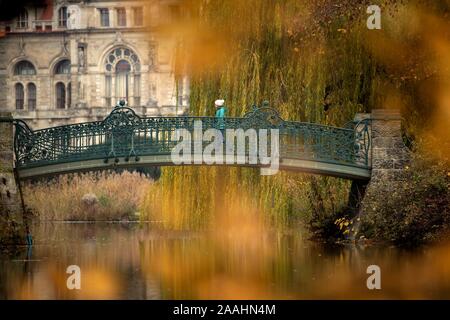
<point>307,166</point>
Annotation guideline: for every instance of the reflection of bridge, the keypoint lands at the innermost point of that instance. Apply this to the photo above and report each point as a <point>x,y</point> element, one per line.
<point>124,139</point>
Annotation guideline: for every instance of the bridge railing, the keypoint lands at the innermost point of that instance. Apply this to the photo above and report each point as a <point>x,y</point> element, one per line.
<point>125,134</point>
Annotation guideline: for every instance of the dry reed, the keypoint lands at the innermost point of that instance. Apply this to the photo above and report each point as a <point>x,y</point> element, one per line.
<point>116,196</point>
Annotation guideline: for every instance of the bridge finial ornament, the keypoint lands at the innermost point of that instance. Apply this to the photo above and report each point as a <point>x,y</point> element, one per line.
<point>121,115</point>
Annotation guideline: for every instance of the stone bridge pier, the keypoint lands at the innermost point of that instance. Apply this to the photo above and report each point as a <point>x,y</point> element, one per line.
<point>12,222</point>
<point>389,157</point>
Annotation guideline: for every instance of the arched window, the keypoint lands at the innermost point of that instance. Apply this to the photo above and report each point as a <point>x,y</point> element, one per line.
<point>62,67</point>
<point>122,80</point>
<point>19,96</point>
<point>22,19</point>
<point>31,93</point>
<point>24,68</point>
<point>60,96</point>
<point>62,17</point>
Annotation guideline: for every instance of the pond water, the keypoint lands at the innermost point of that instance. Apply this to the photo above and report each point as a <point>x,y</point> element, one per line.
<point>140,261</point>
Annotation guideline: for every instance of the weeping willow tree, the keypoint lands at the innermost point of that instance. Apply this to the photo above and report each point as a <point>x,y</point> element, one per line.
<point>311,61</point>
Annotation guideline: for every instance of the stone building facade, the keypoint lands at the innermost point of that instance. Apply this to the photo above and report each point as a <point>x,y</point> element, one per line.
<point>67,61</point>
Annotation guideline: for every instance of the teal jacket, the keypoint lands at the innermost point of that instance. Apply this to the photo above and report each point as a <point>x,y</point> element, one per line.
<point>220,115</point>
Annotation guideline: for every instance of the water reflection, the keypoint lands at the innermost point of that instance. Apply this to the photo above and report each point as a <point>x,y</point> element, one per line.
<point>131,261</point>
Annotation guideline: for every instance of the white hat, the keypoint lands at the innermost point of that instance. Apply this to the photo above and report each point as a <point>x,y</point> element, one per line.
<point>219,102</point>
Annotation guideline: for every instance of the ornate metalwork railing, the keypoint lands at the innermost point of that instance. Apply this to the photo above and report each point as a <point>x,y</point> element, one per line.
<point>124,134</point>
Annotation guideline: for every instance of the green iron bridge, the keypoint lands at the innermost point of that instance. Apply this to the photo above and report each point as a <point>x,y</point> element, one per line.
<point>124,140</point>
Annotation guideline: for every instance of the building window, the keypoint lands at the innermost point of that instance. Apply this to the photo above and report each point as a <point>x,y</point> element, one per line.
<point>24,68</point>
<point>63,67</point>
<point>104,17</point>
<point>60,95</point>
<point>138,15</point>
<point>19,96</point>
<point>31,93</point>
<point>180,92</point>
<point>62,17</point>
<point>22,19</point>
<point>137,90</point>
<point>69,95</point>
<point>121,17</point>
<point>123,69</point>
<point>122,78</point>
<point>108,91</point>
